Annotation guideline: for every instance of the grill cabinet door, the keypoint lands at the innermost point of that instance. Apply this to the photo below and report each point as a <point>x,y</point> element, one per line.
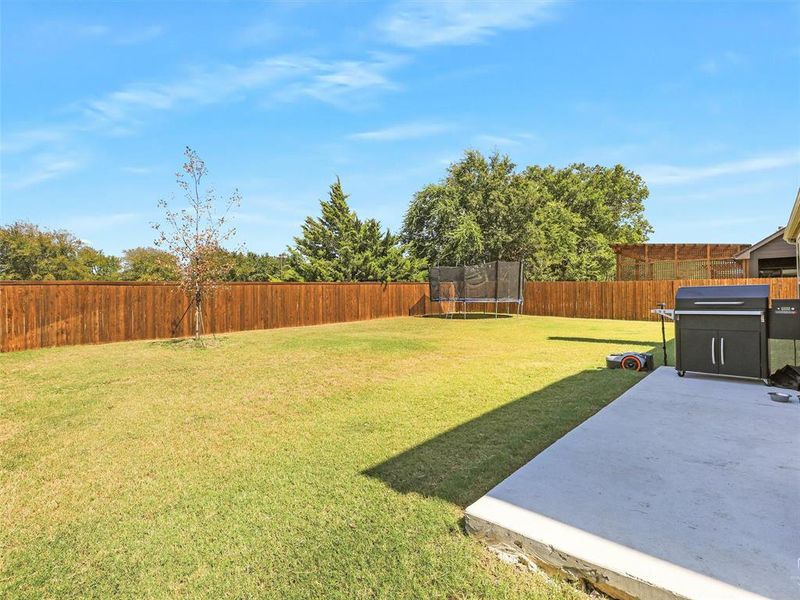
<point>739,353</point>
<point>700,350</point>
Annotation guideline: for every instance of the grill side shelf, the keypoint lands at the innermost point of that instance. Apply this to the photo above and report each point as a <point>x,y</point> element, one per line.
<point>752,313</point>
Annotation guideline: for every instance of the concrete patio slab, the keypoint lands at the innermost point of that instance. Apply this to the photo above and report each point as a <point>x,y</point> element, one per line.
<point>680,488</point>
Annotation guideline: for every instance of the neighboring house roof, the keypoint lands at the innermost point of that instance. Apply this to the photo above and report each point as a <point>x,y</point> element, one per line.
<point>745,254</point>
<point>793,226</point>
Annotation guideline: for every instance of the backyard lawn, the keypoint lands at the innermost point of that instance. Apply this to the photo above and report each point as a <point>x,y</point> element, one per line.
<point>330,461</point>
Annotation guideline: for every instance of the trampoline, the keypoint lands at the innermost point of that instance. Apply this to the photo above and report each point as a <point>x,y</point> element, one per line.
<point>496,282</point>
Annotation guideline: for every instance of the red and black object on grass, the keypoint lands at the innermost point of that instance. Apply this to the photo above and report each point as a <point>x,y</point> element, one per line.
<point>630,361</point>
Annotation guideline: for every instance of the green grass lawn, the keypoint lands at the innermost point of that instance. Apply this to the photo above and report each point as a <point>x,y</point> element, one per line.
<point>330,461</point>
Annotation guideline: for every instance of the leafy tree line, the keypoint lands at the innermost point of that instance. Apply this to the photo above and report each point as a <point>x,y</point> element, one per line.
<point>561,222</point>
<point>28,252</point>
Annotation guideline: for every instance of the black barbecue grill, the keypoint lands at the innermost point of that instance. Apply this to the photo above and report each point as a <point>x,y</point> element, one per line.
<point>722,330</point>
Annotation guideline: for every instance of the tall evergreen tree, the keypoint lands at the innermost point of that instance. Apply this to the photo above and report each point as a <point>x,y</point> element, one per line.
<point>338,246</point>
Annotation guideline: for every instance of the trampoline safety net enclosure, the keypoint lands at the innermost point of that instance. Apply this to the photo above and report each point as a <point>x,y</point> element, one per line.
<point>498,282</point>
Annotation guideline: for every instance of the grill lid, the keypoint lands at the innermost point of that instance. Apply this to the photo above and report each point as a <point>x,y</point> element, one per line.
<point>723,297</point>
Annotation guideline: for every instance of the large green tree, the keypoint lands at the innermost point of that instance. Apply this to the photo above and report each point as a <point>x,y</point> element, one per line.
<point>561,222</point>
<point>250,266</point>
<point>28,252</point>
<point>148,264</point>
<point>476,213</point>
<point>338,246</point>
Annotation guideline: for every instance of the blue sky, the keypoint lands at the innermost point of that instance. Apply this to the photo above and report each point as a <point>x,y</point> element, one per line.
<point>99,100</point>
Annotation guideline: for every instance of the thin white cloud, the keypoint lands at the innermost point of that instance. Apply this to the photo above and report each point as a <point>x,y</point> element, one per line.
<point>671,174</point>
<point>260,32</point>
<point>403,131</point>
<point>134,170</point>
<point>138,36</point>
<point>503,141</point>
<point>83,30</point>
<point>123,36</point>
<point>284,78</point>
<point>43,168</point>
<point>724,193</point>
<point>496,140</point>
<point>273,205</point>
<point>343,83</point>
<point>458,22</point>
<point>715,64</point>
<point>707,224</point>
<point>198,88</point>
<point>27,139</point>
<point>92,223</point>
<point>709,66</point>
<point>250,218</point>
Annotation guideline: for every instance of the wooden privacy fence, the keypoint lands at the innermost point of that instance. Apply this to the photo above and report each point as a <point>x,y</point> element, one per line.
<point>626,300</point>
<point>58,313</point>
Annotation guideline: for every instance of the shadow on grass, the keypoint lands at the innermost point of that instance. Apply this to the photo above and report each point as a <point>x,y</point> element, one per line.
<point>462,464</point>
<point>656,345</point>
<point>457,316</point>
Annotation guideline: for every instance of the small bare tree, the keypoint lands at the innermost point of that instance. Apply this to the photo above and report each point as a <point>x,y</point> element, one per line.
<point>195,235</point>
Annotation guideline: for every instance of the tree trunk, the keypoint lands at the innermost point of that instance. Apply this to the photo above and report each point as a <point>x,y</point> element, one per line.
<point>198,308</point>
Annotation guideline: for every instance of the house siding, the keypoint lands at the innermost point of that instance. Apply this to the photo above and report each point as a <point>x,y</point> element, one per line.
<point>777,248</point>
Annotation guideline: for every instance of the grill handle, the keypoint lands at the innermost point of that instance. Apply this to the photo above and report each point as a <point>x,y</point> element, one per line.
<point>720,302</point>
<point>713,356</point>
